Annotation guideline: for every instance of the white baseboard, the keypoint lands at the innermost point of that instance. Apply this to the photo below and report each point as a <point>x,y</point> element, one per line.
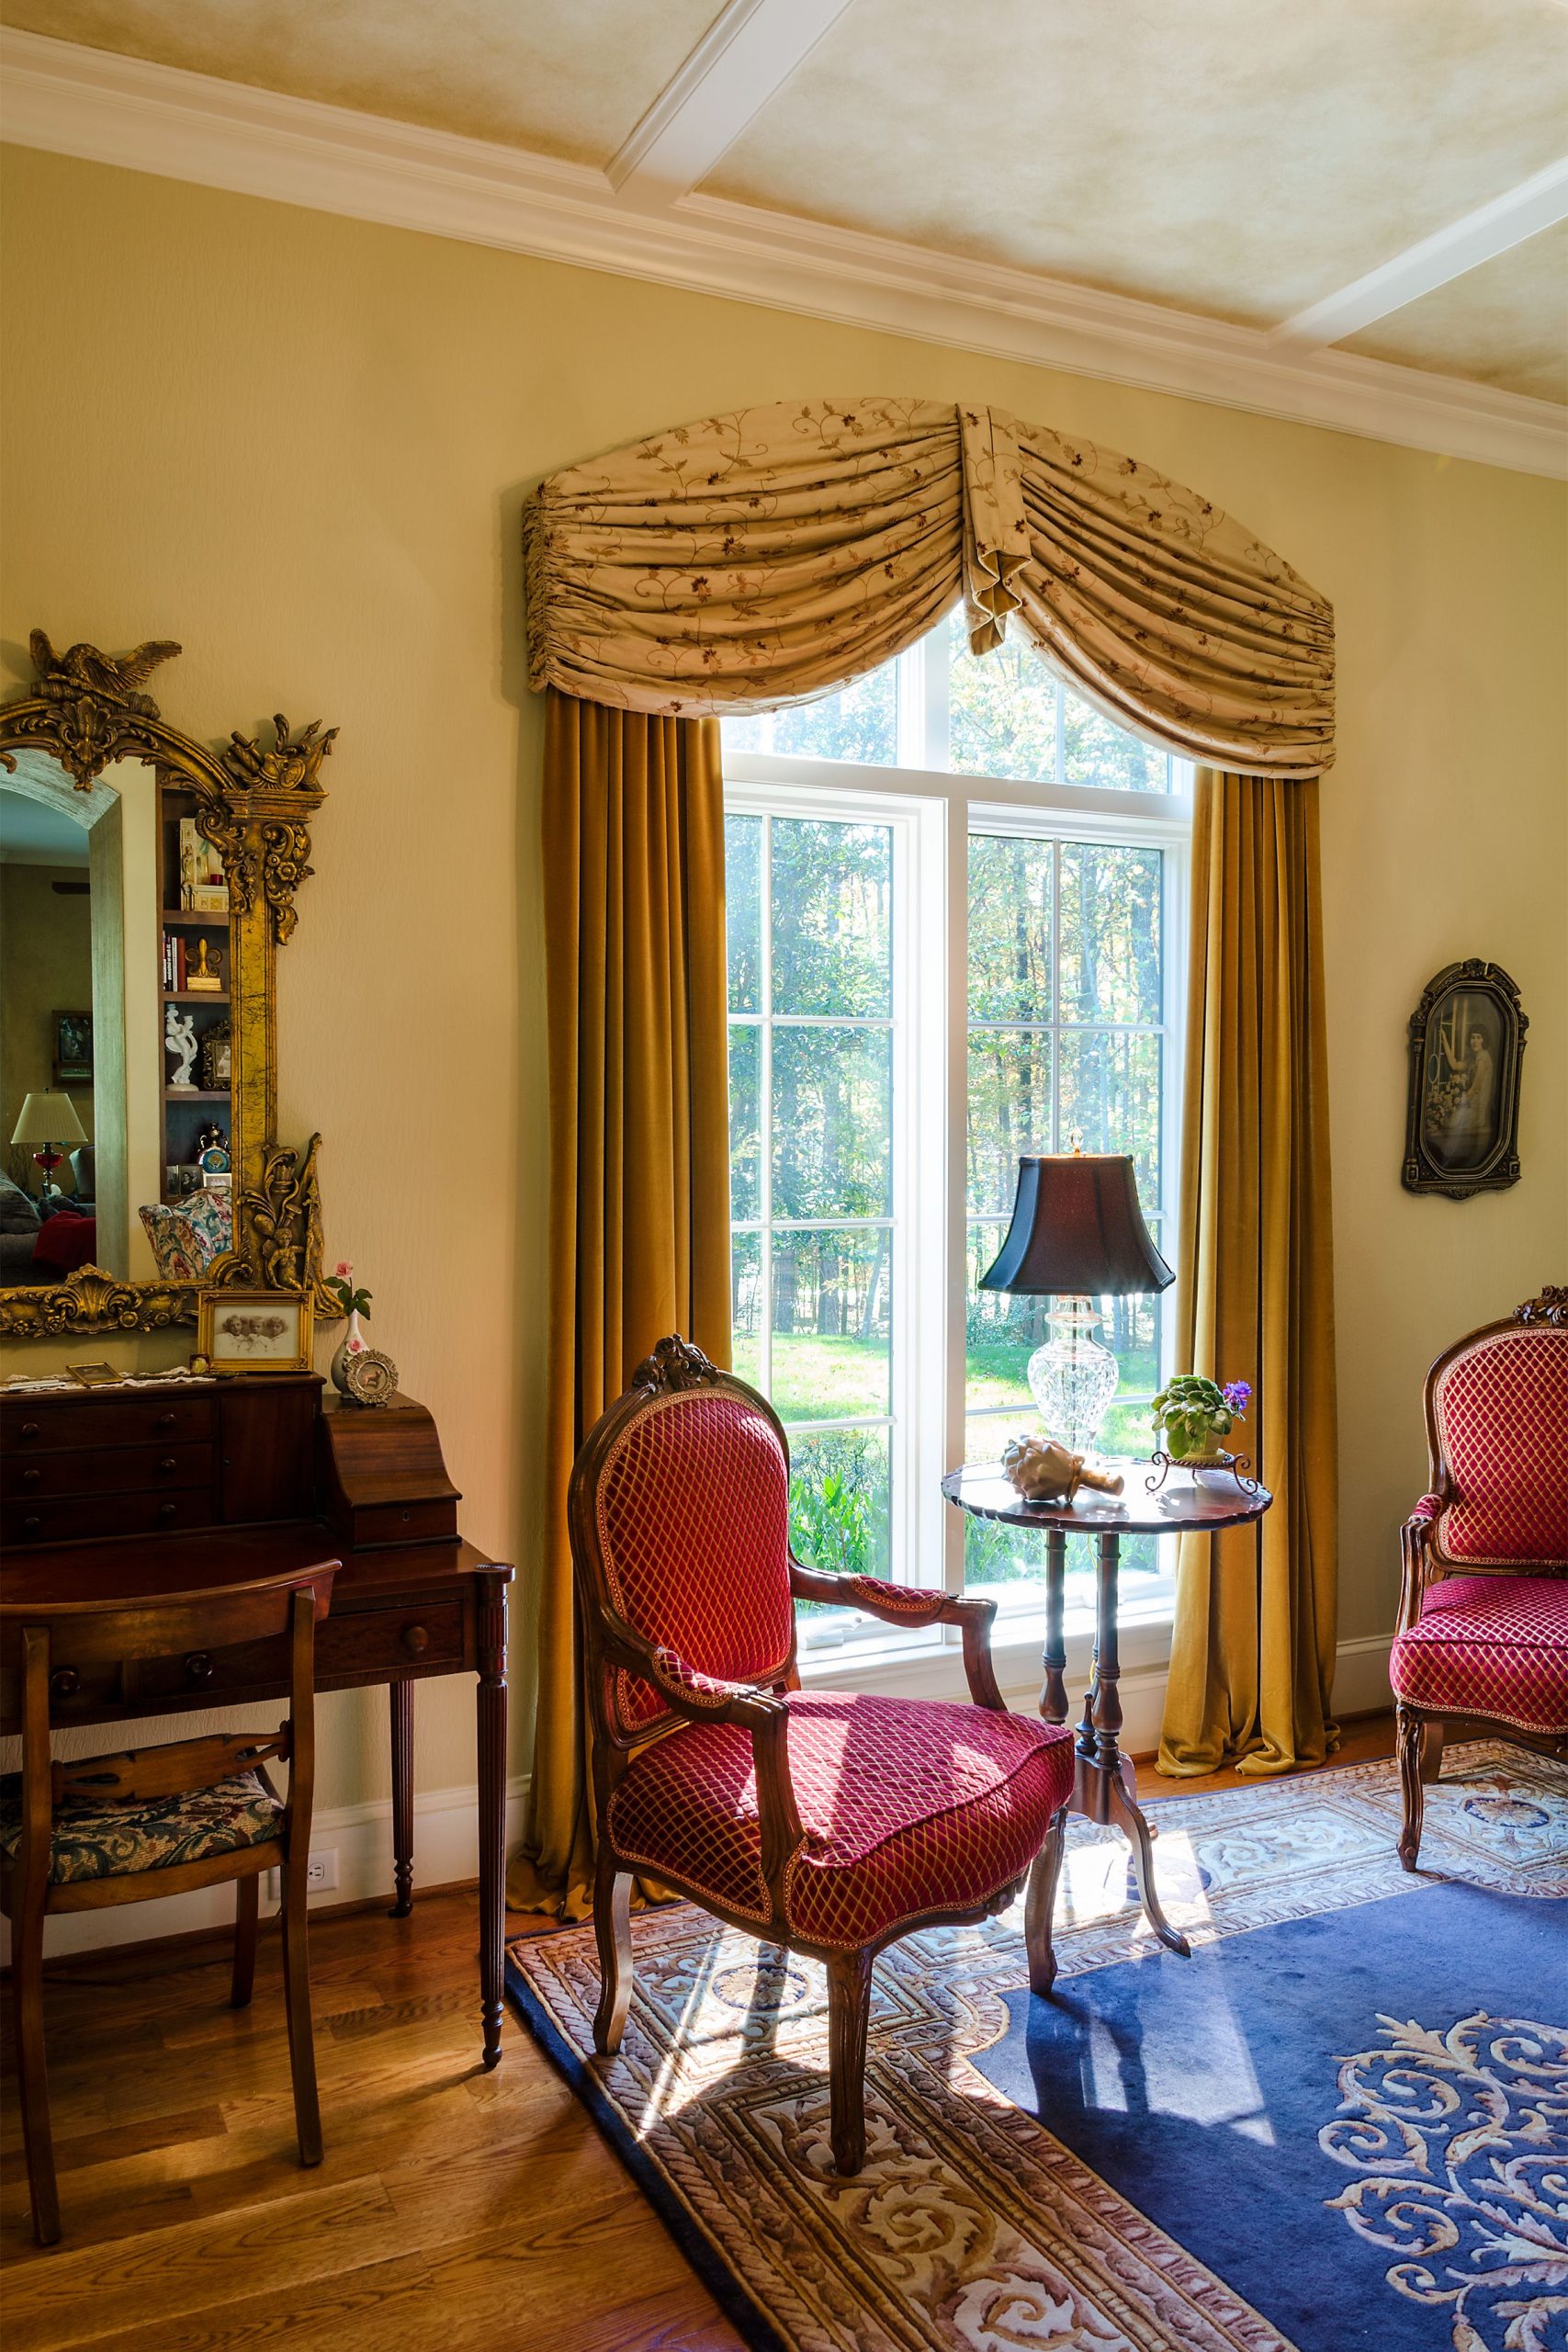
<point>445,1850</point>
<point>446,1841</point>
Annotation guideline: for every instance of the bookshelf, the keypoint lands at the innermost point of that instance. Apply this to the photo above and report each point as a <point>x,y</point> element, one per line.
<point>186,1110</point>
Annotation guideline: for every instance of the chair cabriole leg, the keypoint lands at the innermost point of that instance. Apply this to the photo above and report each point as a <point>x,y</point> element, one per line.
<point>612,1934</point>
<point>849,2015</point>
<point>247,1910</point>
<point>1408,1733</point>
<point>1040,1903</point>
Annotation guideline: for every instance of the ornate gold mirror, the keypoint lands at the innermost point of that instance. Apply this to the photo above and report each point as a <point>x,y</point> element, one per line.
<point>146,885</point>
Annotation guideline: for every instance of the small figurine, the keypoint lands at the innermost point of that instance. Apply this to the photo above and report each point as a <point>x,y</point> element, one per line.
<point>179,1039</point>
<point>1044,1472</point>
<point>204,975</point>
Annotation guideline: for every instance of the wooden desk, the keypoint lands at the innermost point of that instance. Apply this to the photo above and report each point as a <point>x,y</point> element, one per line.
<point>105,1494</point>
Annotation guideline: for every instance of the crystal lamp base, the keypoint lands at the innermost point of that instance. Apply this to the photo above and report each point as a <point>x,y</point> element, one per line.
<point>1073,1377</point>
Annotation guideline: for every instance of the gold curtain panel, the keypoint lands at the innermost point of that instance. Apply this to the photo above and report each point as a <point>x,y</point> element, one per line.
<point>763,558</point>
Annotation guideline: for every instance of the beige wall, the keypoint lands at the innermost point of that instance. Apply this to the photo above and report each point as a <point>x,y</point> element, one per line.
<point>307,464</point>
<point>46,957</point>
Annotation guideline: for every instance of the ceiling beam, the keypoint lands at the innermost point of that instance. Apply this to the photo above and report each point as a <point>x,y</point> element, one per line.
<point>748,53</point>
<point>1537,203</point>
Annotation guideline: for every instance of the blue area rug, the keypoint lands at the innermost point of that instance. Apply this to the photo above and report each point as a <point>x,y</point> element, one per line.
<point>1359,2121</point>
<point>1341,2126</point>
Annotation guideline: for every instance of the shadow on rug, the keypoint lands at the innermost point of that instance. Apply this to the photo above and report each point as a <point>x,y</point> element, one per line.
<point>1342,2124</point>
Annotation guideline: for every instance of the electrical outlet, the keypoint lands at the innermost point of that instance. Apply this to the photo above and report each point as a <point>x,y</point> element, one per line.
<point>321,1874</point>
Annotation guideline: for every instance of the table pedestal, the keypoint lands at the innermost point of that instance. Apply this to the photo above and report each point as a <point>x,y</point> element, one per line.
<point>1106,1787</point>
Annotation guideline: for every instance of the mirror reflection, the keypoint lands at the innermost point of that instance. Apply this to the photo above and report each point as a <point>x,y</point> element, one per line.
<point>114,1036</point>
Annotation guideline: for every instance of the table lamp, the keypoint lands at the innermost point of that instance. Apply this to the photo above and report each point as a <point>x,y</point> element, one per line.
<point>47,1119</point>
<point>1077,1235</point>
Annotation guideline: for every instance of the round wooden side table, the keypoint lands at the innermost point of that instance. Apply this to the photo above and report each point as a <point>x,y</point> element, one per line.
<point>1155,1502</point>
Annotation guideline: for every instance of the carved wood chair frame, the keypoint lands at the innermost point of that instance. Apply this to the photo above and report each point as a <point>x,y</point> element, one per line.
<point>43,1650</point>
<point>1420,1732</point>
<point>610,1642</point>
<point>85,710</point>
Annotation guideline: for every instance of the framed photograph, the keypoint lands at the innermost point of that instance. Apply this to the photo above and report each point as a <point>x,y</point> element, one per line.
<point>95,1376</point>
<point>1467,1041</point>
<point>254,1330</point>
<point>72,1049</point>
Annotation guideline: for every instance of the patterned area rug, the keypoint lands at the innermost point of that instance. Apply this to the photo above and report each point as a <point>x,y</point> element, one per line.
<point>975,2227</point>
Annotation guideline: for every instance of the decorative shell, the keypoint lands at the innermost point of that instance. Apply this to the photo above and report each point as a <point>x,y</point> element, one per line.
<point>1043,1471</point>
<point>370,1378</point>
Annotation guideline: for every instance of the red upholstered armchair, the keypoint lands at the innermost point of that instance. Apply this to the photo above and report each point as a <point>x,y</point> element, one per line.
<point>1483,1639</point>
<point>826,1822</point>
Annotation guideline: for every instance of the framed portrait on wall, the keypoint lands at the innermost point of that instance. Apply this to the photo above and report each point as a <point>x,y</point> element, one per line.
<point>72,1049</point>
<point>1467,1040</point>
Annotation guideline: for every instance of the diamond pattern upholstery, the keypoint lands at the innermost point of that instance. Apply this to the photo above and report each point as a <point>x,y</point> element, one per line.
<point>693,1526</point>
<point>909,1806</point>
<point>1501,1409</point>
<point>1489,1645</point>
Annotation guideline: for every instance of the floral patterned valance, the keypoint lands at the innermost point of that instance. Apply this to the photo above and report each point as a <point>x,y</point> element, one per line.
<point>766,557</point>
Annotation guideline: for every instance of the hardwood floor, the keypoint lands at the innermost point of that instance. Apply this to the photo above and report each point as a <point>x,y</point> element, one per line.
<point>455,2209</point>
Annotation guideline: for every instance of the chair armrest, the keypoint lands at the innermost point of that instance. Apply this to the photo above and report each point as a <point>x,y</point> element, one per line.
<point>1416,1552</point>
<point>910,1604</point>
<point>706,1699</point>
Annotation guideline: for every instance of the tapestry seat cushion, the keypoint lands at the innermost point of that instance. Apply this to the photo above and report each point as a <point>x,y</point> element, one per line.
<point>910,1807</point>
<point>112,1840</point>
<point>1495,1646</point>
<point>1502,1407</point>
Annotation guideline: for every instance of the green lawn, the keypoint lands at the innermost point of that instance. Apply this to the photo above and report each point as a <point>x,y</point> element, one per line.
<point>818,1379</point>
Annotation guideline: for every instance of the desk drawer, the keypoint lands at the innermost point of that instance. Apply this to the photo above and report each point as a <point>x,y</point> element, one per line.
<point>80,1517</point>
<point>424,1634</point>
<point>112,1470</point>
<point>41,1425</point>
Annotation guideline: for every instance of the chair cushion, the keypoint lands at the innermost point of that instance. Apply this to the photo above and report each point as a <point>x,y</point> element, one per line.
<point>1489,1645</point>
<point>1501,1407</point>
<point>909,1806</point>
<point>694,1522</point>
<point>113,1840</point>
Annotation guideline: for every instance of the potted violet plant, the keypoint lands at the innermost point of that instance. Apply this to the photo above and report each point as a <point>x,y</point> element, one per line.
<point>1196,1417</point>
<point>354,1304</point>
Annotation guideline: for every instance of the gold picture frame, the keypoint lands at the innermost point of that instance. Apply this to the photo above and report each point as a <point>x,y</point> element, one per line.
<point>255,1330</point>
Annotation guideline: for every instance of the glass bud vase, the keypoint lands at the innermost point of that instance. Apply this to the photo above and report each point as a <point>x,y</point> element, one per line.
<point>1073,1377</point>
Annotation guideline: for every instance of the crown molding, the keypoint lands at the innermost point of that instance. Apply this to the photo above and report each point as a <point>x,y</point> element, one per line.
<point>106,108</point>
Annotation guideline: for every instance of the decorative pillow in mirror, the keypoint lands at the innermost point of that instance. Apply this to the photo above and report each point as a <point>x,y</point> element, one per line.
<point>187,1241</point>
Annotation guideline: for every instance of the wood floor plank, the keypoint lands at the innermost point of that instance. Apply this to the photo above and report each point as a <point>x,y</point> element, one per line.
<point>454,2208</point>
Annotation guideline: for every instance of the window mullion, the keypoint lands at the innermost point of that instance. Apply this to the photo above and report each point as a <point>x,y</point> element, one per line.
<point>765,1110</point>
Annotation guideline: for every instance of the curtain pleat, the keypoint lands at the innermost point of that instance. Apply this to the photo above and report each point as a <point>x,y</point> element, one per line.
<point>633,828</point>
<point>1252,1641</point>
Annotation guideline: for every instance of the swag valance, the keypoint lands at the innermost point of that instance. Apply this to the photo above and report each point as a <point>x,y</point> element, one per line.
<point>751,561</point>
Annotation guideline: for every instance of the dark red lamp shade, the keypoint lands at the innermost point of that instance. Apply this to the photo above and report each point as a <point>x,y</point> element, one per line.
<point>1078,1229</point>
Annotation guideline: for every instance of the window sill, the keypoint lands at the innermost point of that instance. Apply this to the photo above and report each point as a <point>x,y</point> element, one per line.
<point>927,1665</point>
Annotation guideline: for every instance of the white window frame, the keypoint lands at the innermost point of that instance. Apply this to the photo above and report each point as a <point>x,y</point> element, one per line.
<point>932,812</point>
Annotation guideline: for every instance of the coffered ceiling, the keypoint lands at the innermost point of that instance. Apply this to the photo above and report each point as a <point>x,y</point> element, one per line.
<point>1381,177</point>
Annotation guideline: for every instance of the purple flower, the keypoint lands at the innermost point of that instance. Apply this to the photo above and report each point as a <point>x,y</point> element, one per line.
<point>1238,1396</point>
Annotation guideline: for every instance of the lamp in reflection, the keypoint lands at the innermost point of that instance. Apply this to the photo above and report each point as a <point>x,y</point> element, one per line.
<point>1077,1235</point>
<point>47,1119</point>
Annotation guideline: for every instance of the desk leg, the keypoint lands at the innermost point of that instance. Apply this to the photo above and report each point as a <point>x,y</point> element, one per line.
<point>1053,1695</point>
<point>491,1713</point>
<point>401,1696</point>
